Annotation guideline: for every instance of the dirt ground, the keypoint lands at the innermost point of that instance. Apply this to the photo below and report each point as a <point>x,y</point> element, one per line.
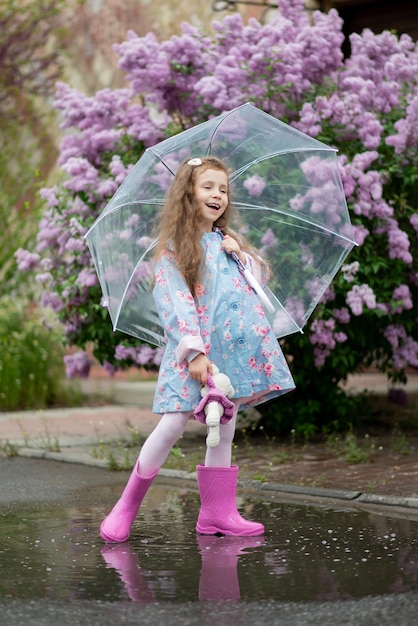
<point>380,457</point>
<point>376,466</point>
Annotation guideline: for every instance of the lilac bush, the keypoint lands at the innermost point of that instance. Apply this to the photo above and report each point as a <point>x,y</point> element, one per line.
<point>365,105</point>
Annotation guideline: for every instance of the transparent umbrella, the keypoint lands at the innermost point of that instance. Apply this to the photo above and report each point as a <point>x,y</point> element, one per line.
<point>290,205</point>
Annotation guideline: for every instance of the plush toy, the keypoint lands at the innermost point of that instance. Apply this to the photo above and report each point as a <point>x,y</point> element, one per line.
<point>215,407</point>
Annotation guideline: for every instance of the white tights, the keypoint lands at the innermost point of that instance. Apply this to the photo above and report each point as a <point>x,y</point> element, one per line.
<point>169,429</point>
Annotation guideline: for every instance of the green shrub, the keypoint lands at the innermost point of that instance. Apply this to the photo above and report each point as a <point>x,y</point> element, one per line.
<point>31,358</point>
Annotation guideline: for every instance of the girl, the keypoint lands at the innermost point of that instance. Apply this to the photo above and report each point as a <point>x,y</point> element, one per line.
<point>210,315</point>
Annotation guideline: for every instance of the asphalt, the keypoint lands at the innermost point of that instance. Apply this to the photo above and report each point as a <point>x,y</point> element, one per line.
<point>75,435</point>
<point>69,438</point>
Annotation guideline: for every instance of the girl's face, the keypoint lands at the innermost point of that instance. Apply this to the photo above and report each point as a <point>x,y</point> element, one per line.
<point>211,193</point>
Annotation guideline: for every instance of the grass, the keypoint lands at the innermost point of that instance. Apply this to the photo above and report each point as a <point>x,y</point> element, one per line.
<point>121,454</point>
<point>45,441</point>
<point>351,448</point>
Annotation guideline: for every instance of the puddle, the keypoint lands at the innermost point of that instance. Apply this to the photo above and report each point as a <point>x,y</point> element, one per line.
<point>307,554</point>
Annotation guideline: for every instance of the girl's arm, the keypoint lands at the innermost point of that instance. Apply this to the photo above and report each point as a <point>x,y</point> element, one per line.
<point>177,310</point>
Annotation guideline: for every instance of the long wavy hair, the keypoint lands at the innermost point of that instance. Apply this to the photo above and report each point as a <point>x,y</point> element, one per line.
<point>179,223</point>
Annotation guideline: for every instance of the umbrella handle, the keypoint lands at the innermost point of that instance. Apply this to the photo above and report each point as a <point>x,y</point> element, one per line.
<point>259,290</point>
<point>251,280</point>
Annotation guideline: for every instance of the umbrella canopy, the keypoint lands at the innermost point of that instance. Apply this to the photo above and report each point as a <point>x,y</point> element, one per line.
<point>291,207</point>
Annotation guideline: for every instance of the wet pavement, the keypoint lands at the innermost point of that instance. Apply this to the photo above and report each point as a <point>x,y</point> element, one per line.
<point>316,564</point>
<point>329,556</point>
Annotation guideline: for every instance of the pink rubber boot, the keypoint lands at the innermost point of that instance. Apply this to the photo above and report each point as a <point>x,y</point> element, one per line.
<point>219,573</point>
<point>218,511</point>
<point>125,561</point>
<point>116,527</point>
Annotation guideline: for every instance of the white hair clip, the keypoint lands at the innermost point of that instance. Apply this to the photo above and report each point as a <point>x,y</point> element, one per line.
<point>196,161</point>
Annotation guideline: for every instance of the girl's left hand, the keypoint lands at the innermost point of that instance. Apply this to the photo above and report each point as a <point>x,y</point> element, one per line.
<point>230,245</point>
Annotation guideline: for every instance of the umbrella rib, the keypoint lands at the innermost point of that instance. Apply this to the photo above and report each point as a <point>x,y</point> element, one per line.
<point>221,121</point>
<point>158,156</point>
<point>321,227</point>
<point>245,167</point>
<point>128,284</point>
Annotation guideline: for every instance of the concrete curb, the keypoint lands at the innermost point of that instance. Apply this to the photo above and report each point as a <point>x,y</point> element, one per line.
<point>133,400</point>
<point>314,494</point>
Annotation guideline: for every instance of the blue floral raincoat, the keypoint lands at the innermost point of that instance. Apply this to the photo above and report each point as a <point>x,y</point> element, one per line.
<point>226,322</point>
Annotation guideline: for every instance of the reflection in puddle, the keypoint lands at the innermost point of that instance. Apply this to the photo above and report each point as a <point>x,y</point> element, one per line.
<point>308,553</point>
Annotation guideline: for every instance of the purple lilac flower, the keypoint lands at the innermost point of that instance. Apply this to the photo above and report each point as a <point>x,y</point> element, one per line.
<point>255,185</point>
<point>342,315</point>
<point>123,353</point>
<point>328,295</point>
<point>78,364</point>
<point>402,295</point>
<point>360,233</point>
<point>269,239</point>
<point>44,278</point>
<point>158,356</point>
<point>144,242</point>
<point>118,169</point>
<point>87,278</point>
<point>73,245</point>
<point>49,194</point>
<point>414,221</point>
<point>349,271</point>
<point>324,338</point>
<point>398,242</point>
<point>109,368</point>
<point>405,349</point>
<point>361,295</point>
<point>53,301</point>
<point>27,261</point>
<point>83,175</point>
<point>144,355</point>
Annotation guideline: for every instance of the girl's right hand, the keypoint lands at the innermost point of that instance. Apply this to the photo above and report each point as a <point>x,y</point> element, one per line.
<point>199,368</point>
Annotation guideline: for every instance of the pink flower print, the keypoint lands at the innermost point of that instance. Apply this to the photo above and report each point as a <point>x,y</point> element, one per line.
<point>160,278</point>
<point>166,298</point>
<point>183,326</point>
<point>261,331</point>
<point>227,335</point>
<point>169,254</point>
<point>236,281</point>
<point>259,309</point>
<point>269,369</point>
<point>201,310</point>
<point>200,290</point>
<point>184,296</point>
<point>252,362</point>
<point>178,407</point>
<point>185,393</point>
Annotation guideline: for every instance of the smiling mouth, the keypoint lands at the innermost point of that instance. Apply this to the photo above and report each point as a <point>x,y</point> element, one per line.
<point>216,207</point>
